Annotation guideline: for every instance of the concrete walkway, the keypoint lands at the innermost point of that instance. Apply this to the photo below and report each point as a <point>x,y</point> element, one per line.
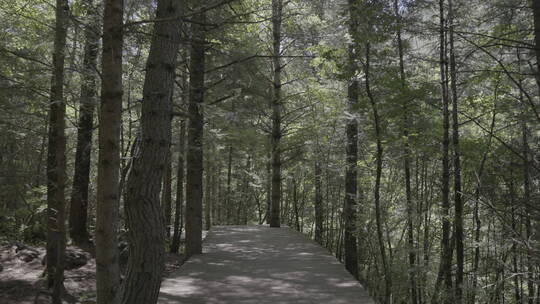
<point>261,265</point>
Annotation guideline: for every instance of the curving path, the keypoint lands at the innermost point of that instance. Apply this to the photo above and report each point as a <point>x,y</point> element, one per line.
<point>261,265</point>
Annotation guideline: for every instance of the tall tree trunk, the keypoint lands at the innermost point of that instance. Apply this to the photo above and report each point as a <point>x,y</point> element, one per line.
<point>303,203</point>
<point>295,204</point>
<point>525,150</point>
<point>228,201</point>
<point>528,212</point>
<point>458,194</point>
<point>166,196</point>
<point>78,211</point>
<point>179,205</point>
<point>42,152</point>
<point>515,269</point>
<point>56,160</point>
<point>247,190</point>
<point>319,209</point>
<point>216,194</point>
<point>194,178</point>
<point>108,270</point>
<point>208,195</point>
<point>268,188</point>
<point>179,211</point>
<point>407,162</point>
<point>536,18</point>
<point>476,210</point>
<point>351,192</point>
<point>143,210</point>
<point>377,189</point>
<point>277,105</point>
<point>446,251</point>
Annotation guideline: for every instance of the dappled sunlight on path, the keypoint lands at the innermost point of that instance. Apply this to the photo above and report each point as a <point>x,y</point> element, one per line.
<point>260,265</point>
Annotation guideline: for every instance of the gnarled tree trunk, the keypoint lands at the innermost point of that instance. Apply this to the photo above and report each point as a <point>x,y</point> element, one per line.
<point>143,210</point>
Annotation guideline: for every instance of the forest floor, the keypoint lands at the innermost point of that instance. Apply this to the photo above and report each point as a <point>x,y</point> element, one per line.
<point>21,271</point>
<point>21,277</point>
<point>261,265</point>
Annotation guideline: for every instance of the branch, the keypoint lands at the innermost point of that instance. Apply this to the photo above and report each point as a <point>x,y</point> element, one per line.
<point>509,74</point>
<point>221,99</point>
<point>181,18</point>
<point>492,134</point>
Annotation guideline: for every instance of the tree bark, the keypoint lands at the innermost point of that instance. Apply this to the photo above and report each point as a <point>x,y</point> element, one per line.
<point>458,194</point>
<point>179,210</point>
<point>81,177</point>
<point>56,160</point>
<point>536,18</point>
<point>528,212</point>
<point>446,252</point>
<point>296,206</point>
<point>107,267</point>
<point>268,188</point>
<point>179,206</point>
<point>319,209</point>
<point>351,191</point>
<point>143,210</point>
<point>166,196</point>
<point>407,163</point>
<point>515,269</point>
<point>194,178</point>
<point>377,188</point>
<point>277,105</point>
<point>476,211</point>
<point>228,194</point>
<point>208,195</point>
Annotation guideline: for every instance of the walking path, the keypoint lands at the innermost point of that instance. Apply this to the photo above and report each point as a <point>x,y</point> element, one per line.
<point>261,265</point>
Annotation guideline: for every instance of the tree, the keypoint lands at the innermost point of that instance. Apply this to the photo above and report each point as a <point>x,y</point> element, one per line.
<point>277,9</point>
<point>351,191</point>
<point>407,157</point>
<point>194,157</point>
<point>143,210</point>
<point>228,194</point>
<point>56,160</point>
<point>318,202</point>
<point>446,250</point>
<point>179,204</point>
<point>110,119</point>
<point>458,193</point>
<point>378,176</point>
<point>166,196</point>
<point>78,211</point>
<point>208,192</point>
<point>536,21</point>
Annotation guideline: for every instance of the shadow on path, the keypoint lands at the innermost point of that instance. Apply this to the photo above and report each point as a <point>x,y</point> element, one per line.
<point>261,265</point>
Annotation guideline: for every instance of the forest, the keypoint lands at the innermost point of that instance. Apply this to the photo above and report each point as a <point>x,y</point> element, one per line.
<point>401,135</point>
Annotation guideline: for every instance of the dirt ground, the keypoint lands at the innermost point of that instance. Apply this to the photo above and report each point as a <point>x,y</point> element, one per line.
<point>21,273</point>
